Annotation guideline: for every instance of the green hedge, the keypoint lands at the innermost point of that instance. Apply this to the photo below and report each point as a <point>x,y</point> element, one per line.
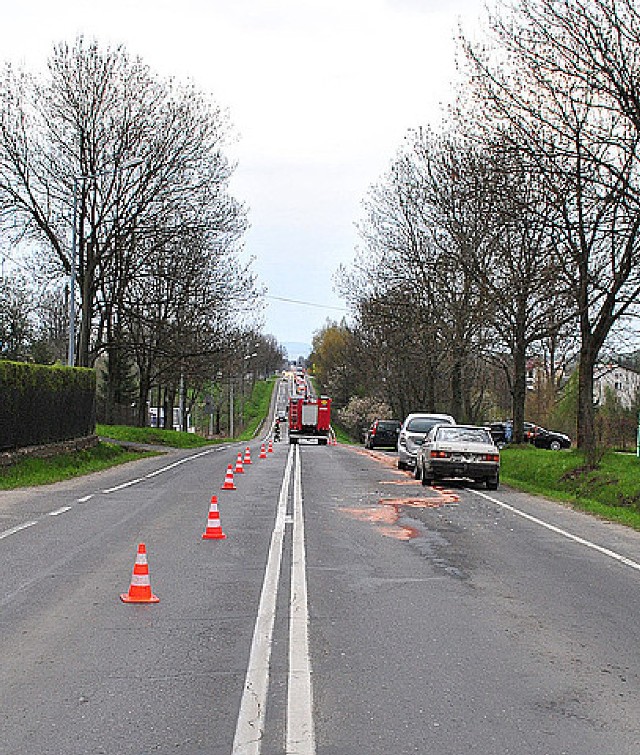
<point>41,404</point>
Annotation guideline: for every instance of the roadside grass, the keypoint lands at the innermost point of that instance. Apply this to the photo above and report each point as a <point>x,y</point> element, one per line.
<point>611,492</point>
<point>153,436</point>
<point>256,408</point>
<point>342,436</point>
<point>29,472</point>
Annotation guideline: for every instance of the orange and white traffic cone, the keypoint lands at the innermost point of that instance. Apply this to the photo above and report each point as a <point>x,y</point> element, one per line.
<point>247,456</point>
<point>228,480</point>
<point>263,452</point>
<point>270,448</point>
<point>140,588</point>
<point>214,528</point>
<point>239,468</point>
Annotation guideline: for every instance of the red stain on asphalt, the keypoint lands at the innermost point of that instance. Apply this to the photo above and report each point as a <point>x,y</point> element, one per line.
<point>387,515</point>
<point>418,503</point>
<point>387,518</point>
<point>398,482</point>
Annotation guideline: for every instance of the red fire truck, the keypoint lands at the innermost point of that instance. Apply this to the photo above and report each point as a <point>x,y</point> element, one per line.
<point>309,420</point>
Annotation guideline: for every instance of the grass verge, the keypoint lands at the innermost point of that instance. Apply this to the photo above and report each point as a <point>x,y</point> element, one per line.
<point>256,407</point>
<point>153,436</point>
<point>611,492</point>
<point>342,436</point>
<point>29,472</point>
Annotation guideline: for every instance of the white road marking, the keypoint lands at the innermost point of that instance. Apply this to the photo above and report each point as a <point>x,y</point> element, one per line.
<point>300,729</point>
<point>127,484</point>
<point>184,461</point>
<point>59,511</point>
<point>123,485</point>
<point>250,725</point>
<point>570,536</point>
<point>13,530</point>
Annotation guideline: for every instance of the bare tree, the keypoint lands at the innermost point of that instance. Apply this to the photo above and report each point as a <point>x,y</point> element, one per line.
<point>67,141</point>
<point>560,83</point>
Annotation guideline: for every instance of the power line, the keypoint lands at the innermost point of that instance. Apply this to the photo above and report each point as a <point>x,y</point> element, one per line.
<point>308,303</point>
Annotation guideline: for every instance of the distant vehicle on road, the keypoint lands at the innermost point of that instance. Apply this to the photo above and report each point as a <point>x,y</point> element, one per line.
<point>383,433</point>
<point>412,433</point>
<point>458,451</point>
<point>309,420</point>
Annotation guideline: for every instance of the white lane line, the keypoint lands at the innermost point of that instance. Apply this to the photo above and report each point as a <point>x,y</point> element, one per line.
<point>250,726</point>
<point>13,530</point>
<point>184,461</point>
<point>85,498</point>
<point>123,485</point>
<point>300,728</point>
<point>570,536</point>
<point>59,511</point>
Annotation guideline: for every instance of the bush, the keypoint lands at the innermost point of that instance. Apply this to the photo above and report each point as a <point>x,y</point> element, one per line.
<point>359,413</point>
<point>41,404</point>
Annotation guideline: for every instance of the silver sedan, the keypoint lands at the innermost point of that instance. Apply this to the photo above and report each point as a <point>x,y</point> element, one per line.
<point>458,451</point>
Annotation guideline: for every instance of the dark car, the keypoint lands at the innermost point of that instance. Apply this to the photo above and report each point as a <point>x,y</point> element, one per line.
<point>544,438</point>
<point>540,437</point>
<point>383,433</point>
<point>502,432</point>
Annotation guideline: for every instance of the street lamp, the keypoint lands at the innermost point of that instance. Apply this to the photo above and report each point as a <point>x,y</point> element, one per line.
<point>71,354</point>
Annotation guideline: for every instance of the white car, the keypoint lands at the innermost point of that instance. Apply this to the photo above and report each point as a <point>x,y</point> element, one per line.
<point>459,451</point>
<point>412,434</point>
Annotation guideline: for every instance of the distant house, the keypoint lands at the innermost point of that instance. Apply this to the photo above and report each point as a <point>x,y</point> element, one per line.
<point>622,381</point>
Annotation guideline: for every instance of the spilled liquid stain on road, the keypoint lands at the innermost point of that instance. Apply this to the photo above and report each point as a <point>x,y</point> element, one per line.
<point>388,512</point>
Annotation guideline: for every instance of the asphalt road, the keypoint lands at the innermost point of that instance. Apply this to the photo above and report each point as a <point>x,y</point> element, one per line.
<point>349,610</point>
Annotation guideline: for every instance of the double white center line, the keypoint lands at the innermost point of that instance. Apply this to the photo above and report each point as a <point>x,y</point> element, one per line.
<point>251,720</point>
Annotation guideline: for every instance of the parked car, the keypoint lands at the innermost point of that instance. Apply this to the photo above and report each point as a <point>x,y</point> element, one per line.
<point>412,434</point>
<point>540,437</point>
<point>459,451</point>
<point>501,435</point>
<point>383,433</point>
<point>544,438</point>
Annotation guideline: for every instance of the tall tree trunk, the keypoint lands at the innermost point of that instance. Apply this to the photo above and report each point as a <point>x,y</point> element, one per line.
<point>586,412</point>
<point>456,389</point>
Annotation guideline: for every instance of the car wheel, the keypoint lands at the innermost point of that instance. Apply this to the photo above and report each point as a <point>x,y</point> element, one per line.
<point>424,479</point>
<point>493,482</point>
<point>417,472</point>
<point>401,464</point>
<point>555,445</point>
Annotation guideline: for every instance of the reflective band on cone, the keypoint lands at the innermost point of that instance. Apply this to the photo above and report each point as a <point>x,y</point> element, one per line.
<point>228,480</point>
<point>214,528</point>
<point>140,588</point>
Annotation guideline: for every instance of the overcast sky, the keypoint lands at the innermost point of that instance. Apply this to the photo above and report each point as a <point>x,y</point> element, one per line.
<point>320,94</point>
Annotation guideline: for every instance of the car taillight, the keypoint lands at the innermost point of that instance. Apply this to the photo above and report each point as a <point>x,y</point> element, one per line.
<point>439,454</point>
<point>492,457</point>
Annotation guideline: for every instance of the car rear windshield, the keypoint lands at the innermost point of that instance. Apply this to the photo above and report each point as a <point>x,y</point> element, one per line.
<point>423,424</point>
<point>388,425</point>
<point>464,434</point>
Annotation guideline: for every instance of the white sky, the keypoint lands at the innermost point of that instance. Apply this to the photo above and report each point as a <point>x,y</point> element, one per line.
<point>320,94</point>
